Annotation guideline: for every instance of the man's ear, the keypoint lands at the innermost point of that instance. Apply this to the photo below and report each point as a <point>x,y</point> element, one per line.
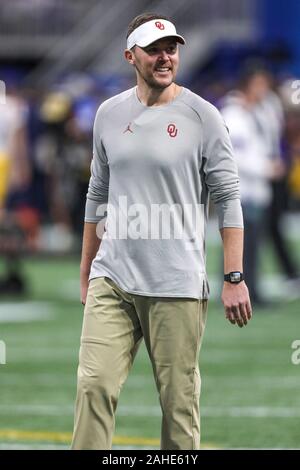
<point>129,56</point>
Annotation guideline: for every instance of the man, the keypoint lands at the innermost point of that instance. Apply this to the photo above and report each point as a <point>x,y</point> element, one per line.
<point>270,114</point>
<point>158,149</point>
<point>250,116</point>
<point>15,179</point>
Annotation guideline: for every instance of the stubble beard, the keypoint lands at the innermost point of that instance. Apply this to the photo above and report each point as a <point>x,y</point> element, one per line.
<point>152,83</point>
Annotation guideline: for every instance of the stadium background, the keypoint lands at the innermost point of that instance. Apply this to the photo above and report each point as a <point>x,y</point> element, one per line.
<point>59,59</point>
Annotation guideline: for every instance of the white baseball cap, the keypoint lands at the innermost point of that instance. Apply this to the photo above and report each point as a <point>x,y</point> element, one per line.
<point>151,31</point>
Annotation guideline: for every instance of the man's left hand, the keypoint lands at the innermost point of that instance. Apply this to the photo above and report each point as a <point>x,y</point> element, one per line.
<point>237,305</point>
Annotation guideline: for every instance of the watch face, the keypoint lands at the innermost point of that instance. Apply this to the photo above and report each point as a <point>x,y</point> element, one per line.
<point>235,277</point>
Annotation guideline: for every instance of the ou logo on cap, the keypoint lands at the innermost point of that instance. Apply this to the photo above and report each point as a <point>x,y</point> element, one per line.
<point>159,25</point>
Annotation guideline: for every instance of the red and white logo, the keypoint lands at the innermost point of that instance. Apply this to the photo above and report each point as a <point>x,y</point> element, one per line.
<point>172,130</point>
<point>159,25</point>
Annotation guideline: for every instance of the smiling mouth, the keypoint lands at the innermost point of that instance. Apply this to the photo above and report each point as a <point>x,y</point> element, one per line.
<point>162,69</point>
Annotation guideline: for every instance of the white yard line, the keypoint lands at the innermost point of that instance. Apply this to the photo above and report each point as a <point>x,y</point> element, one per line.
<point>140,381</point>
<point>154,411</point>
<point>23,312</point>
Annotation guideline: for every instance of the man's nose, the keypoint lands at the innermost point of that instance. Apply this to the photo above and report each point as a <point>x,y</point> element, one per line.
<point>163,55</point>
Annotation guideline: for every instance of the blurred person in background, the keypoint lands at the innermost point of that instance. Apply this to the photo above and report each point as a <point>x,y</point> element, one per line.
<point>270,116</point>
<point>294,173</point>
<point>63,156</point>
<point>15,178</point>
<point>154,144</point>
<point>255,169</point>
<point>55,111</point>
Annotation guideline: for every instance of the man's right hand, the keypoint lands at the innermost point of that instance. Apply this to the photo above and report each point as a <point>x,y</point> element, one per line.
<point>84,284</point>
<point>90,246</point>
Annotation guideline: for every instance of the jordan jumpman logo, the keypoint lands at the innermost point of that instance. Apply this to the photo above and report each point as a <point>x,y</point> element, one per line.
<point>128,129</point>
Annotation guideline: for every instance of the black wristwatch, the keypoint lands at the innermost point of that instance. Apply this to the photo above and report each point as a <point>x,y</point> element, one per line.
<point>234,277</point>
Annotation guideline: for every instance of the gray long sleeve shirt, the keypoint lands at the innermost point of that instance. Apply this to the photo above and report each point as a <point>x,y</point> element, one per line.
<point>155,168</point>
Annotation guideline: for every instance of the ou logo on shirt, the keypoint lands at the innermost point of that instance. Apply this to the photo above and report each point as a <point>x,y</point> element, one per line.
<point>159,25</point>
<point>172,130</point>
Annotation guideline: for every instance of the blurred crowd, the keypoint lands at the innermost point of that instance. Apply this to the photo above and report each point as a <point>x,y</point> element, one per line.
<point>46,149</point>
<point>45,154</point>
<point>264,135</point>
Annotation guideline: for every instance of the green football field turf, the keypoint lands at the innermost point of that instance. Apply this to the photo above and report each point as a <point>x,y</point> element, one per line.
<point>250,388</point>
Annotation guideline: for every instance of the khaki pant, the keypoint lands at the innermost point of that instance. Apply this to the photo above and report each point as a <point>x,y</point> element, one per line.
<point>113,326</point>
